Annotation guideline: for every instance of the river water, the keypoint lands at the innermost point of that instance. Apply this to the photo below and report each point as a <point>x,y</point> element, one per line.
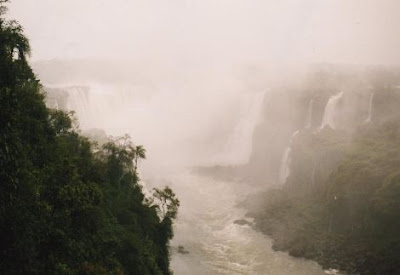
<point>205,228</point>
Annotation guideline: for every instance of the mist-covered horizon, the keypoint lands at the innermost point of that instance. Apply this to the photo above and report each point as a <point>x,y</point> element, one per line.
<point>189,33</point>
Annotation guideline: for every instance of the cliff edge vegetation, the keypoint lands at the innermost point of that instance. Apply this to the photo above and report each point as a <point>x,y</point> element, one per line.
<point>67,205</point>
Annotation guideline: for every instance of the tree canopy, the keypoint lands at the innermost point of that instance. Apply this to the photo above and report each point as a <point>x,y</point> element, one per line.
<point>67,206</point>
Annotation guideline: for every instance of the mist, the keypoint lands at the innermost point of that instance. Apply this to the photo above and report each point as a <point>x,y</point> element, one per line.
<point>180,34</point>
<point>246,109</point>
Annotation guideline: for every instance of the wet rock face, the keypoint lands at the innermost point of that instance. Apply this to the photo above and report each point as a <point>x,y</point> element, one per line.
<point>356,95</point>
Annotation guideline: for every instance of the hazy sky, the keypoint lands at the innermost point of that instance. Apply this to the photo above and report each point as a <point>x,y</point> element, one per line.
<point>193,31</point>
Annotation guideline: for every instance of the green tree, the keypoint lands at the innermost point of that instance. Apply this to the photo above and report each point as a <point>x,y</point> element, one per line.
<point>166,202</point>
<point>140,152</point>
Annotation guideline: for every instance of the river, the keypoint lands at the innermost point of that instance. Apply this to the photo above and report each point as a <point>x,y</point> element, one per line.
<point>215,244</point>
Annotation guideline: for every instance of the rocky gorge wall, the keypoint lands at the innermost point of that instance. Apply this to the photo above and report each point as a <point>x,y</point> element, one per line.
<point>338,203</point>
<point>367,95</point>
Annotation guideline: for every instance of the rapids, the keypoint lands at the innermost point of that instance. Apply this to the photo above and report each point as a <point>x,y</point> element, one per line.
<point>216,245</point>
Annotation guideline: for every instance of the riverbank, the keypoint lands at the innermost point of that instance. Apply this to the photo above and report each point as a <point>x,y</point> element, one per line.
<point>212,227</point>
<point>299,227</point>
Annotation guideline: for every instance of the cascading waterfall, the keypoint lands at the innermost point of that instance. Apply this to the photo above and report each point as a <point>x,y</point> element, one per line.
<point>330,111</point>
<point>238,147</point>
<point>96,106</point>
<point>284,170</point>
<point>285,165</point>
<point>369,115</point>
<point>309,114</point>
<point>78,101</point>
<point>52,103</point>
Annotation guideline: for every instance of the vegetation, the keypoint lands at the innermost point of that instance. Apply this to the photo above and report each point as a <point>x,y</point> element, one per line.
<point>340,205</point>
<point>68,206</point>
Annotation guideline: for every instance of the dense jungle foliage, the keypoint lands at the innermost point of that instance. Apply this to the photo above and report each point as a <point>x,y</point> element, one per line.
<point>68,206</point>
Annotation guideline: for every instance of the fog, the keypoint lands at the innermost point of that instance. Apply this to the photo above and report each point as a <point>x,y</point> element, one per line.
<point>186,33</point>
<point>221,84</point>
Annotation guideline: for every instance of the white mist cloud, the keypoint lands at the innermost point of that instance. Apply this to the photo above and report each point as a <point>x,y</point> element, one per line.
<point>219,31</point>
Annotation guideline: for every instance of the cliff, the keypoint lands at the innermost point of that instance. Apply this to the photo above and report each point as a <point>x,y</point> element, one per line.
<point>337,202</point>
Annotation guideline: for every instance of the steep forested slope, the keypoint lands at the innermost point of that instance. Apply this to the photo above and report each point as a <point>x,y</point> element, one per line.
<point>67,205</point>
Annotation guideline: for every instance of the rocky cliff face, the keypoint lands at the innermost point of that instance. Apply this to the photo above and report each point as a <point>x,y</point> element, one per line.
<point>330,106</point>
<point>338,204</point>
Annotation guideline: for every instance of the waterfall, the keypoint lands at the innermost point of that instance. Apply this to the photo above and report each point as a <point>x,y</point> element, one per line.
<point>239,145</point>
<point>78,101</point>
<point>369,116</point>
<point>309,114</point>
<point>330,111</point>
<point>285,165</point>
<point>284,170</point>
<point>52,103</point>
<point>94,105</point>
<point>147,113</point>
